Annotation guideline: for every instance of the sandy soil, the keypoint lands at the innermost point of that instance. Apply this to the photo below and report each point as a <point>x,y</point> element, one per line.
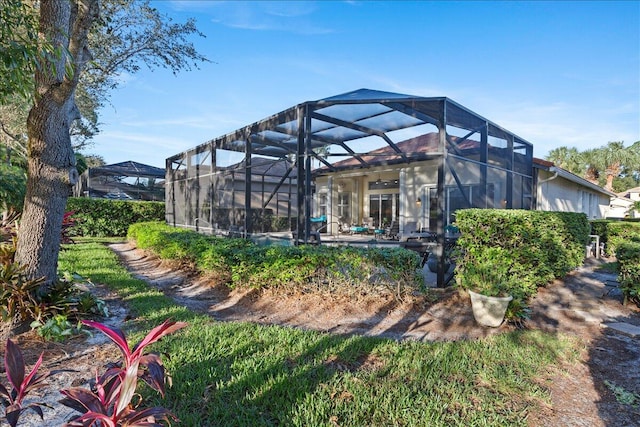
<point>578,305</point>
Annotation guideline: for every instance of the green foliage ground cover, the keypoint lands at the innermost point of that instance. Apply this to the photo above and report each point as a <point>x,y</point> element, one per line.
<point>109,218</point>
<point>241,374</point>
<point>239,262</point>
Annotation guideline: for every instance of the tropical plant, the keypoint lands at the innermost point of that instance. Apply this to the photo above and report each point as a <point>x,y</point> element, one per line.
<point>487,274</point>
<point>68,222</point>
<point>613,159</point>
<point>109,404</point>
<point>18,302</point>
<point>20,385</point>
<point>56,328</point>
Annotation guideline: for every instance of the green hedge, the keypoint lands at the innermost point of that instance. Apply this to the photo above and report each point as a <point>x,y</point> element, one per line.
<point>628,255</point>
<point>240,262</point>
<point>619,232</point>
<point>516,251</point>
<point>109,218</point>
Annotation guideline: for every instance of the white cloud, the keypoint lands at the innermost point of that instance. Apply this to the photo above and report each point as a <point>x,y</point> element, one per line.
<point>286,16</point>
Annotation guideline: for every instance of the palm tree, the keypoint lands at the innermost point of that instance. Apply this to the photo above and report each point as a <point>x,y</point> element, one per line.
<point>614,159</point>
<point>567,158</point>
<point>592,165</point>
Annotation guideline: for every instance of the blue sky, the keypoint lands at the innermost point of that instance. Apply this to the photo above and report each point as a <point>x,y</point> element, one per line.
<point>554,73</point>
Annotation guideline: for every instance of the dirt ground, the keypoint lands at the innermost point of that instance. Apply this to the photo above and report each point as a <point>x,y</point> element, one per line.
<point>579,305</point>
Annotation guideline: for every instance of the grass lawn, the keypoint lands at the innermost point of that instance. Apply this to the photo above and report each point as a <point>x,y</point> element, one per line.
<point>241,374</point>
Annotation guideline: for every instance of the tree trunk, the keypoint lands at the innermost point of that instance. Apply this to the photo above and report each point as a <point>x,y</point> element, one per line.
<point>51,162</point>
<point>51,173</point>
<point>613,171</point>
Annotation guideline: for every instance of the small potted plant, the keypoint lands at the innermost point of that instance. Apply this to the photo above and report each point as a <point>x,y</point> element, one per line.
<point>490,285</point>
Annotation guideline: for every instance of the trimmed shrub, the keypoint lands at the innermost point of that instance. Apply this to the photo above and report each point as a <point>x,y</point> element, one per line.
<point>108,218</point>
<point>239,262</point>
<point>528,248</point>
<point>615,232</point>
<point>619,232</point>
<point>628,255</point>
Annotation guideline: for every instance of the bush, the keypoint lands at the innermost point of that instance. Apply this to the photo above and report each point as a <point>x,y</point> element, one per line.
<point>628,255</point>
<point>240,262</point>
<point>529,248</point>
<point>615,232</point>
<point>619,232</point>
<point>108,218</point>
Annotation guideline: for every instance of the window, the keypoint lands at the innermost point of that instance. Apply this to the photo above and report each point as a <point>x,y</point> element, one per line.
<point>383,208</point>
<point>322,204</point>
<point>344,211</point>
<point>588,204</point>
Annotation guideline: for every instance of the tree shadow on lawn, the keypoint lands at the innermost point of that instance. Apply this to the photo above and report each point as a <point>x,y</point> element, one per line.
<point>264,381</point>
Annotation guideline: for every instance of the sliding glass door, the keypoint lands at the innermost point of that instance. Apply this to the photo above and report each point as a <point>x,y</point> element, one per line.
<point>383,208</point>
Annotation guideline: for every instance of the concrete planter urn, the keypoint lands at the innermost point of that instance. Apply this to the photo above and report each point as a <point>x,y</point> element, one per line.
<point>489,311</point>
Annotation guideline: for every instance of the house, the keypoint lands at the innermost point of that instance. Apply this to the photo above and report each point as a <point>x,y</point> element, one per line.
<point>622,206</point>
<point>384,157</point>
<point>560,190</point>
<point>122,181</point>
<point>391,190</point>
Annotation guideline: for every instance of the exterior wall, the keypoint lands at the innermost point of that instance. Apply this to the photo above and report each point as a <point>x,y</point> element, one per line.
<point>560,194</point>
<point>621,207</point>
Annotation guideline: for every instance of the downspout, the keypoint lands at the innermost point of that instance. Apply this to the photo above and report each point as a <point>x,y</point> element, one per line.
<point>551,178</point>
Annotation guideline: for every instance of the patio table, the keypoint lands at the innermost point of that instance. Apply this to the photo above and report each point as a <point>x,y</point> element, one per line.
<point>357,229</point>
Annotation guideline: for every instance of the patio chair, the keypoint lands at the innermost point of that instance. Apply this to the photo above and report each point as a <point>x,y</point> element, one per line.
<point>344,226</point>
<point>392,232</point>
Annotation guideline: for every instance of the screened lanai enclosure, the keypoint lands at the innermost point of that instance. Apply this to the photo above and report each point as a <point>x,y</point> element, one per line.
<point>122,181</point>
<point>362,162</point>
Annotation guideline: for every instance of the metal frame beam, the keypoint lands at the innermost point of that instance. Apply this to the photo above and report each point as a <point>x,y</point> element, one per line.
<point>363,129</point>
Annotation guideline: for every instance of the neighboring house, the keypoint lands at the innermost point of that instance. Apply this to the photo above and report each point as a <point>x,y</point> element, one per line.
<point>561,190</point>
<point>622,205</point>
<point>122,181</point>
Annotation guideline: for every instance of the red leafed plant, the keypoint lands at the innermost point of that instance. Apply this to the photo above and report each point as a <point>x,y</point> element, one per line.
<point>68,222</point>
<point>20,385</point>
<point>109,404</point>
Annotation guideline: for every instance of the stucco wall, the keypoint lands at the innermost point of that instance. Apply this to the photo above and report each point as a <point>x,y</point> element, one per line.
<point>560,194</point>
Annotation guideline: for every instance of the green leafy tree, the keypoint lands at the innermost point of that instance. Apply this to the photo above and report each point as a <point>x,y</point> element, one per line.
<point>129,34</point>
<point>13,180</point>
<point>68,26</point>
<point>592,165</point>
<point>94,160</point>
<point>20,48</point>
